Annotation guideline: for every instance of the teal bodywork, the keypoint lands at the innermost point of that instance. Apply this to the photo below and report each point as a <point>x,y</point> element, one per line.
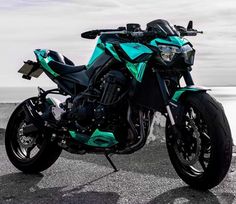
<point>132,50</point>
<point>137,69</point>
<point>171,40</point>
<point>44,60</point>
<point>180,91</point>
<point>98,51</point>
<point>97,139</point>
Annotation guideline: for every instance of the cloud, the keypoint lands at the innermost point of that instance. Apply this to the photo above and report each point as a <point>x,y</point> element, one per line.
<point>57,24</point>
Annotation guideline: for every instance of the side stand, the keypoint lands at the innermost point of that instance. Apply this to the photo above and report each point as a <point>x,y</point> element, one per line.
<point>110,161</point>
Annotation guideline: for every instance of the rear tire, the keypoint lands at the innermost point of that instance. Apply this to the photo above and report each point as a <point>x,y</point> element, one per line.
<point>214,139</point>
<point>45,151</point>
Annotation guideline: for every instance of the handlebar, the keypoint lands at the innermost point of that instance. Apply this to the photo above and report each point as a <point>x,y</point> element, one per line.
<point>191,33</point>
<point>94,33</point>
<point>139,34</point>
<point>187,31</point>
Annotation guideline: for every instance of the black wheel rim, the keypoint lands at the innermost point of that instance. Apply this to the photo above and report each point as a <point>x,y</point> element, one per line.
<point>193,149</point>
<point>24,147</point>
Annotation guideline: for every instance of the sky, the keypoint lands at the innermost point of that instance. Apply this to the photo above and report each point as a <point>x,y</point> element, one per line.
<point>56,24</point>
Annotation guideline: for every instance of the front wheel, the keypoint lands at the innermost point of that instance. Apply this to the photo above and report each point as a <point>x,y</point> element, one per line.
<point>29,153</point>
<point>201,153</point>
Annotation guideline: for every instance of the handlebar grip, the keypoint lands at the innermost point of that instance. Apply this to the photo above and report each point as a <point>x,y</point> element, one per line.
<point>191,33</point>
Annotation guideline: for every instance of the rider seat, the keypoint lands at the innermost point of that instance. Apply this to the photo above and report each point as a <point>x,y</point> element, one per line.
<point>62,65</point>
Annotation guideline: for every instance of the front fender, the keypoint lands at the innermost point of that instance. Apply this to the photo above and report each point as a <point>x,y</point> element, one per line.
<point>180,92</point>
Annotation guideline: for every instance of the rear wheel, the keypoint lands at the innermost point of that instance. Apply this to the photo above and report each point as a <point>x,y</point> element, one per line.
<point>201,154</point>
<point>29,153</point>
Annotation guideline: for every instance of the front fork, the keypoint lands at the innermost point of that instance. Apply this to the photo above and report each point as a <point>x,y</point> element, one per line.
<point>166,96</point>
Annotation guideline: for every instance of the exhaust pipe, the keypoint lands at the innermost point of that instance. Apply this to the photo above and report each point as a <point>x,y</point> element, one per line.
<point>143,137</point>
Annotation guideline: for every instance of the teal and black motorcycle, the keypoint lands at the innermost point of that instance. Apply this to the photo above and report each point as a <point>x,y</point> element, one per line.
<point>110,103</point>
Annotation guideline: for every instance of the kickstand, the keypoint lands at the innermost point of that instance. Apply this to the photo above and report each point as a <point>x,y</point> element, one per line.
<point>110,161</point>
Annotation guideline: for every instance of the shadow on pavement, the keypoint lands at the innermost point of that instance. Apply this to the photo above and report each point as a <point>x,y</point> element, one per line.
<point>23,188</point>
<point>153,159</point>
<point>189,195</point>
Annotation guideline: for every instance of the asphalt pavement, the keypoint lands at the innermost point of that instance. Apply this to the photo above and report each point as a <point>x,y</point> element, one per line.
<point>143,177</point>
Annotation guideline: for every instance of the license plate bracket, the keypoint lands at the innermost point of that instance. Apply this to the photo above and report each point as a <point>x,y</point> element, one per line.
<point>30,69</point>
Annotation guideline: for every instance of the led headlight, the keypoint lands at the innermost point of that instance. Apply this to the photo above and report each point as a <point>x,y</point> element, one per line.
<point>168,52</point>
<point>188,54</point>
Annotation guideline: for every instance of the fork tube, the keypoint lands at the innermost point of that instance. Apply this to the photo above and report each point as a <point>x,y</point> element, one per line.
<point>188,78</point>
<point>172,121</point>
<point>163,89</point>
<point>164,93</point>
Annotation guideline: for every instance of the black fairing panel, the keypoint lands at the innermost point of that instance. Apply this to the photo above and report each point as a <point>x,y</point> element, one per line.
<point>150,99</point>
<point>98,64</point>
<point>67,86</point>
<point>80,77</point>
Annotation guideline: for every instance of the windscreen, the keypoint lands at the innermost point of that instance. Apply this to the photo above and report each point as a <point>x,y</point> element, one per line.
<point>162,26</point>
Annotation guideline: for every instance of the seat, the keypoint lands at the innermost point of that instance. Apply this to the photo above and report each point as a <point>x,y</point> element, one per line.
<point>63,69</point>
<point>62,65</point>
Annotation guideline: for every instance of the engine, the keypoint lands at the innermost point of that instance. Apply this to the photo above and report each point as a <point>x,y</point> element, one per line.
<point>97,106</point>
<point>114,85</point>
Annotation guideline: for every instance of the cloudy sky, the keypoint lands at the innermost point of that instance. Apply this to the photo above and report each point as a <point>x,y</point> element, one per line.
<point>57,24</point>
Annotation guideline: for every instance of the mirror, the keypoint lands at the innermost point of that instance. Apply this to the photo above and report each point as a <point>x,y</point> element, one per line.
<point>90,34</point>
<point>190,25</point>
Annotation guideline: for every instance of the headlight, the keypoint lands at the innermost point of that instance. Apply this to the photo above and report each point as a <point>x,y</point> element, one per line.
<point>168,52</point>
<point>188,53</point>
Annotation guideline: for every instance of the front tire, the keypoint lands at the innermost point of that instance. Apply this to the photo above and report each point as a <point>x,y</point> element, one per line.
<point>202,154</point>
<point>32,153</point>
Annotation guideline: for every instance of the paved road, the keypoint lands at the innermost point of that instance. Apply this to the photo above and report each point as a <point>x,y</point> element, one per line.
<point>144,177</point>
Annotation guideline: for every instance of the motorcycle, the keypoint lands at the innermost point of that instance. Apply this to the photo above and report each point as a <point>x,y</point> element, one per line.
<point>110,104</point>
